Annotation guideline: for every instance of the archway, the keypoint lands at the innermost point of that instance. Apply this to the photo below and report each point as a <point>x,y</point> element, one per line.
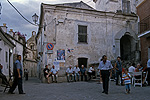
<point>125,47</point>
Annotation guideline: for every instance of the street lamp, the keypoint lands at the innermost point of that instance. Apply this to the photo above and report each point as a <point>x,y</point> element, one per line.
<point>35,18</point>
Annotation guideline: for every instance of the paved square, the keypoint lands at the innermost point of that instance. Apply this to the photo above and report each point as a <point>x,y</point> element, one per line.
<point>75,91</point>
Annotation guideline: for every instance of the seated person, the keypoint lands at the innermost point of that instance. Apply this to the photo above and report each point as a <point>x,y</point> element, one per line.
<point>76,72</point>
<point>69,73</point>
<point>137,70</point>
<point>47,74</point>
<point>4,79</point>
<point>83,73</point>
<point>91,72</point>
<point>54,72</point>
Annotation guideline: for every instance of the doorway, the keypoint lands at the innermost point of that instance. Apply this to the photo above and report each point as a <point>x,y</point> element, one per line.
<point>82,61</point>
<point>125,47</point>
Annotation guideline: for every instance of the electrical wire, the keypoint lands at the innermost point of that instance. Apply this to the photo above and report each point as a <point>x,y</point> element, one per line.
<point>21,14</point>
<point>89,1</point>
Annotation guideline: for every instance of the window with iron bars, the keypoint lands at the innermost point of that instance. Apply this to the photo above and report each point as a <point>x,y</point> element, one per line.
<point>82,34</point>
<point>126,6</point>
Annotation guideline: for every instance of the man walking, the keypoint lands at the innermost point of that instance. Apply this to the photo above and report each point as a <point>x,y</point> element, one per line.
<point>118,67</point>
<point>105,67</point>
<point>17,76</point>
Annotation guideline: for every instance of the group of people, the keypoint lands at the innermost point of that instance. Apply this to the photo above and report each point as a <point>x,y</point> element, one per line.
<point>48,73</point>
<point>106,69</point>
<point>73,74</point>
<point>76,72</point>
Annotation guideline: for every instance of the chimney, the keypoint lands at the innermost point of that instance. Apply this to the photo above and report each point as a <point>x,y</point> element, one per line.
<point>11,32</point>
<point>4,27</point>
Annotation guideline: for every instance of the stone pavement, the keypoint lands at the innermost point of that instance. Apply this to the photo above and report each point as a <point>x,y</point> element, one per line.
<point>75,91</point>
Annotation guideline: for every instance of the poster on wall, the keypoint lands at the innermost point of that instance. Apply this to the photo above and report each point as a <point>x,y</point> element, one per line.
<point>61,55</point>
<point>70,50</point>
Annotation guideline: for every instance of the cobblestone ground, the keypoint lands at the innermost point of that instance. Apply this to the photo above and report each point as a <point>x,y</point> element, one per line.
<point>75,91</point>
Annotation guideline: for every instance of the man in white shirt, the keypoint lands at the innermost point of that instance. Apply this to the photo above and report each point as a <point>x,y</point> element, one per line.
<point>91,72</point>
<point>76,72</point>
<point>148,69</point>
<point>54,72</point>
<point>69,73</point>
<point>132,68</point>
<point>105,66</point>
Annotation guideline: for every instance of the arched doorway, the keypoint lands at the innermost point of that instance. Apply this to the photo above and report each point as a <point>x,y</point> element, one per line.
<point>125,47</point>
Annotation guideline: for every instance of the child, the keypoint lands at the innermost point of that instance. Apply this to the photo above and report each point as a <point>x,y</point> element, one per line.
<point>126,78</point>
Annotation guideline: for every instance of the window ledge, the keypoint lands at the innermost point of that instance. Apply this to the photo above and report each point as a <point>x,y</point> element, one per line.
<point>82,43</point>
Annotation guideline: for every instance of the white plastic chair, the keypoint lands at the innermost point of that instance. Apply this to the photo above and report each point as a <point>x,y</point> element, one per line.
<point>135,80</point>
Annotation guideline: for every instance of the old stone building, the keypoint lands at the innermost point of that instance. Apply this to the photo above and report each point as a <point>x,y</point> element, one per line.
<point>81,34</point>
<point>19,41</point>
<point>30,62</point>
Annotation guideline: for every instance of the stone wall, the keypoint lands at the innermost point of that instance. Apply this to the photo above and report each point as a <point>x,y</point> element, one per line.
<point>31,66</point>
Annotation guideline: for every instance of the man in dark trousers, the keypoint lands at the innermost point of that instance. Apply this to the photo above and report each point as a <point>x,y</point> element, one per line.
<point>118,67</point>
<point>17,76</point>
<point>105,67</point>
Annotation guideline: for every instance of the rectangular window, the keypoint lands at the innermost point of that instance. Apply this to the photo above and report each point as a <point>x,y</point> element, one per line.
<point>126,6</point>
<point>6,56</point>
<point>82,34</point>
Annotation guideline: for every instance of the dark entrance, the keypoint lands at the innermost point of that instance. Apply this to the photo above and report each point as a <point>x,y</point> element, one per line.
<point>82,61</point>
<point>125,47</point>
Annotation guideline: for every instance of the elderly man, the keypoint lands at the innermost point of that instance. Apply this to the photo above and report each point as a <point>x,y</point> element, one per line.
<point>76,72</point>
<point>105,67</point>
<point>83,73</point>
<point>69,73</point>
<point>54,72</point>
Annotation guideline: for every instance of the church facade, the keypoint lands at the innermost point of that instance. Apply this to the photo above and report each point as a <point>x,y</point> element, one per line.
<point>81,34</point>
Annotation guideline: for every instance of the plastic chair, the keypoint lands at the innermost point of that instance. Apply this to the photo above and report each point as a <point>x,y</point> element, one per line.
<point>137,81</point>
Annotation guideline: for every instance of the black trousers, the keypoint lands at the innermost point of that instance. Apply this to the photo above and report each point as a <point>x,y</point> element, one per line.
<point>26,77</point>
<point>90,74</point>
<point>105,77</point>
<point>85,77</point>
<point>17,81</point>
<point>119,73</point>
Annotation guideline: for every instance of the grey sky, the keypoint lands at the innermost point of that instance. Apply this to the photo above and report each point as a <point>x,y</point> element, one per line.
<point>27,8</point>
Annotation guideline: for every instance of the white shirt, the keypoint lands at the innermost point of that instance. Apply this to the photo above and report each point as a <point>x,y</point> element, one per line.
<point>69,70</point>
<point>148,63</point>
<point>76,70</point>
<point>131,69</point>
<point>54,71</point>
<point>106,66</point>
<point>91,69</point>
